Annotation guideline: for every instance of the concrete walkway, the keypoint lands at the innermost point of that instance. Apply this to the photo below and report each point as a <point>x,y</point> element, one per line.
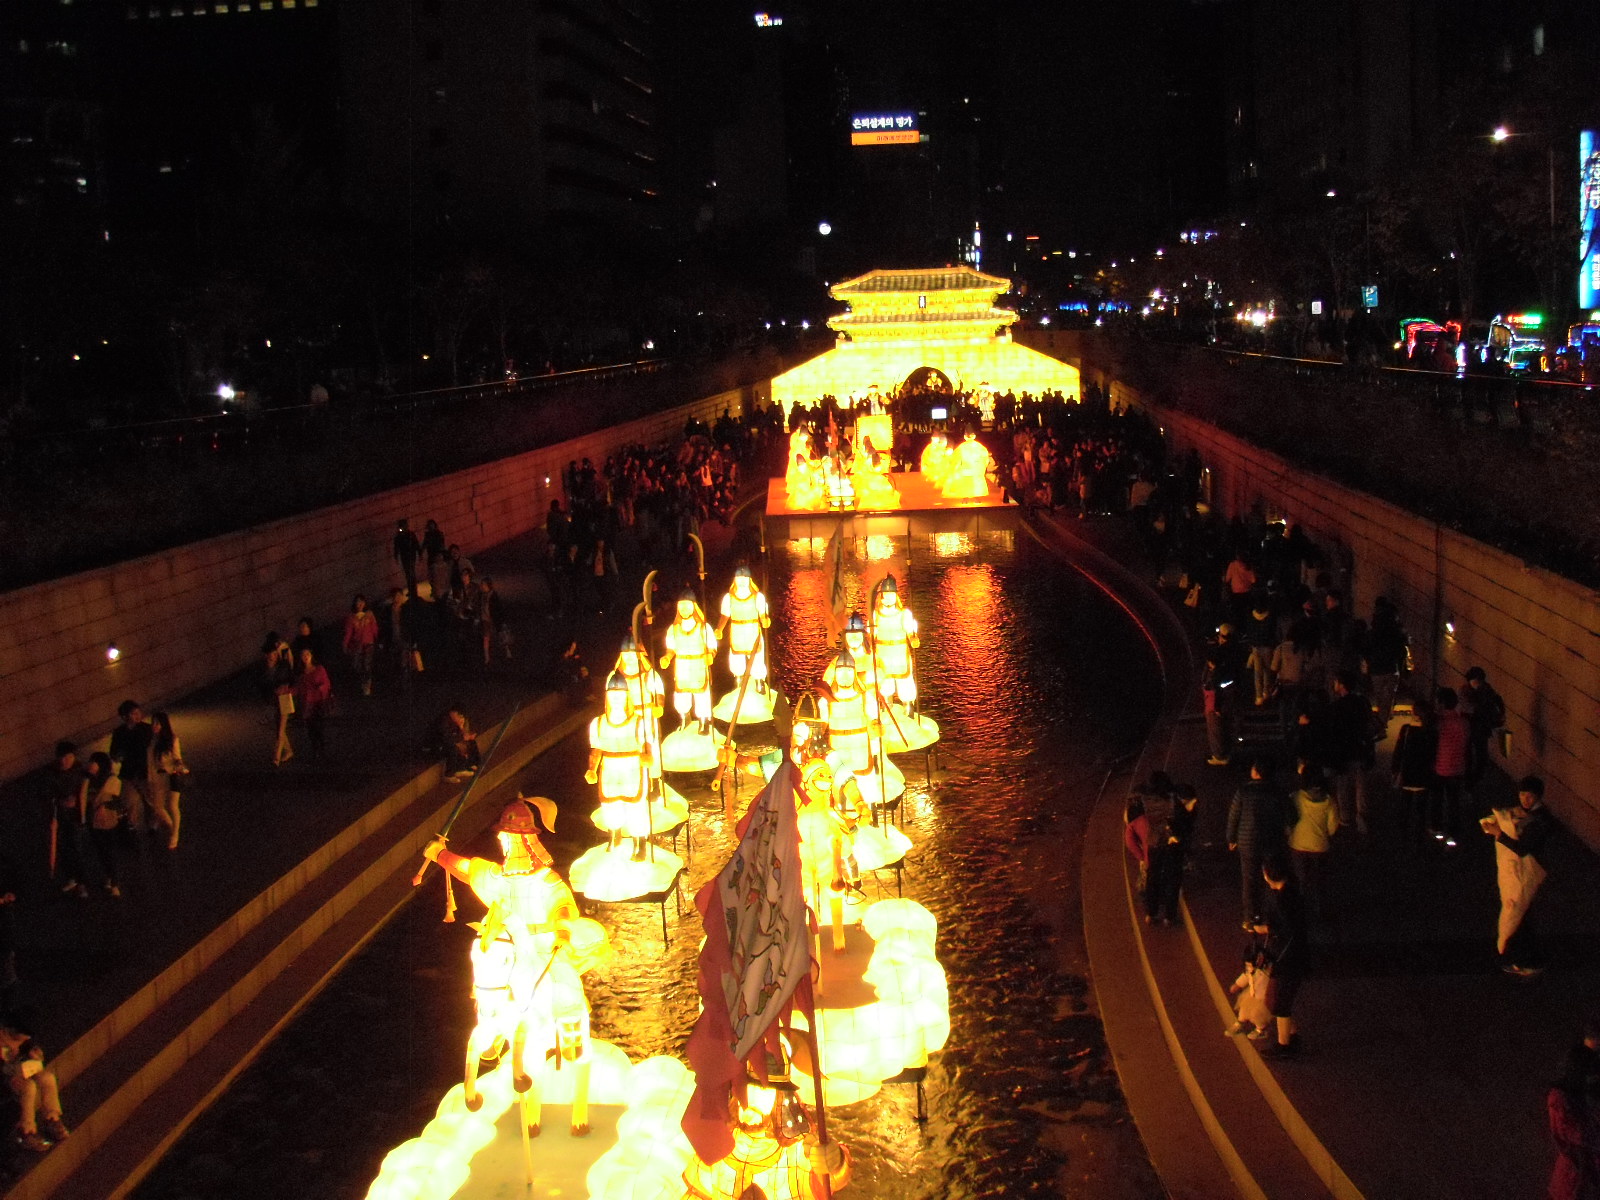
<point>1424,1069</point>
<point>247,823</point>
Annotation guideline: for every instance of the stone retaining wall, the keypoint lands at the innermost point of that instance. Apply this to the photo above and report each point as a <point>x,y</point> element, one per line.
<point>1464,603</point>
<point>194,614</point>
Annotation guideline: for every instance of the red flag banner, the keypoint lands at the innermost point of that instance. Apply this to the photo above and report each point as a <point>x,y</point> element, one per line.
<point>757,955</point>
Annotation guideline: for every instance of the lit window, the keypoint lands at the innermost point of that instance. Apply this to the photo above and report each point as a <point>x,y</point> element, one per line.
<point>288,3</point>
<point>308,3</point>
<point>222,8</point>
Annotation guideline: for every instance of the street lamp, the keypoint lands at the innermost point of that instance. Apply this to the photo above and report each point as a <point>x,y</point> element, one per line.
<point>1500,134</point>
<point>824,228</point>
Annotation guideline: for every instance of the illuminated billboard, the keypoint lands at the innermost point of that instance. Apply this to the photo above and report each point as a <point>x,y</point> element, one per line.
<point>1588,219</point>
<point>884,129</point>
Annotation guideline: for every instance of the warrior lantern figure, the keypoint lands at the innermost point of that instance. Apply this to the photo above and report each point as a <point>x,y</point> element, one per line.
<point>619,743</point>
<point>531,949</point>
<point>849,708</point>
<point>745,617</point>
<point>691,647</point>
<point>894,637</point>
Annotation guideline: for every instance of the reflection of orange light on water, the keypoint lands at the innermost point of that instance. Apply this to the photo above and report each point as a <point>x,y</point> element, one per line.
<point>977,660</point>
<point>805,632</point>
<point>952,545</point>
<point>880,548</point>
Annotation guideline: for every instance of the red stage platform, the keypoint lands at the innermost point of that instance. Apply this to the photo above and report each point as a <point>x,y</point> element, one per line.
<point>922,508</point>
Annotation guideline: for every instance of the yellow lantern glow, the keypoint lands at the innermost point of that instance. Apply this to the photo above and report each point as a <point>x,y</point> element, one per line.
<point>902,321</point>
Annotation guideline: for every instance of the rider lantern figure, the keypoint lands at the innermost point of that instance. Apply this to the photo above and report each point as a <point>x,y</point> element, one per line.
<point>531,949</point>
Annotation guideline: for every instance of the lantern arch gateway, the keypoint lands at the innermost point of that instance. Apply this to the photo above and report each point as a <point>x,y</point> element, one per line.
<point>902,323</point>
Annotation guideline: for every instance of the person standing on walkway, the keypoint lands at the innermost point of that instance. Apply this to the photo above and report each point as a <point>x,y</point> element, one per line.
<point>101,800</point>
<point>1257,820</point>
<point>1345,743</point>
<point>1521,835</point>
<point>1411,767</point>
<point>435,553</point>
<point>1287,950</point>
<point>1314,821</point>
<point>1169,855</point>
<point>130,750</point>
<point>1450,757</point>
<point>167,772</point>
<point>406,550</point>
<point>277,681</point>
<point>360,641</point>
<point>62,788</point>
<point>1296,670</point>
<point>1485,712</point>
<point>313,698</point>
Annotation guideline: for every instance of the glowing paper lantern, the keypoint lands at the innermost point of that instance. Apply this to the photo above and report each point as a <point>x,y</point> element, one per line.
<point>901,322</point>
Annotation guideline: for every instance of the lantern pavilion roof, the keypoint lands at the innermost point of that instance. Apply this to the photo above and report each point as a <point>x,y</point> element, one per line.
<point>919,281</point>
<point>948,302</point>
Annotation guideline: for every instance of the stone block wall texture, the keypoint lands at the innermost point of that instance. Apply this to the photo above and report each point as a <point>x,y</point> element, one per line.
<point>1464,603</point>
<point>194,614</point>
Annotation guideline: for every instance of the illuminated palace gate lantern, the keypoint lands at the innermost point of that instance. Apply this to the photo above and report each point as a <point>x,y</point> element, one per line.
<point>902,323</point>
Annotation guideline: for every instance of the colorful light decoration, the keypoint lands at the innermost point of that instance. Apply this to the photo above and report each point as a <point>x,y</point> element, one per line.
<point>970,471</point>
<point>745,619</point>
<point>690,647</point>
<point>533,947</point>
<point>632,810</point>
<point>901,321</point>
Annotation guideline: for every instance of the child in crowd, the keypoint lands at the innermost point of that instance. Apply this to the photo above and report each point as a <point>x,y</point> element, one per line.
<point>1250,998</point>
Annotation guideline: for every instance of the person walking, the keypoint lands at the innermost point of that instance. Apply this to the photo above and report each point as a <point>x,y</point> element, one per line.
<point>1169,855</point>
<point>1257,821</point>
<point>167,775</point>
<point>130,751</point>
<point>1296,670</point>
<point>1314,821</point>
<point>1260,639</point>
<point>1287,951</point>
<point>1239,580</point>
<point>1222,690</point>
<point>1521,834</point>
<point>1386,653</point>
<point>313,698</point>
<point>360,641</point>
<point>1450,757</point>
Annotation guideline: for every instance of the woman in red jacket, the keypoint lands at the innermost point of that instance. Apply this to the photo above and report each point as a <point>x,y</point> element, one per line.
<point>313,697</point>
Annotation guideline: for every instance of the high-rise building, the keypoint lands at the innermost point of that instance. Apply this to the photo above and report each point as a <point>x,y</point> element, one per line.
<point>501,115</point>
<point>52,127</point>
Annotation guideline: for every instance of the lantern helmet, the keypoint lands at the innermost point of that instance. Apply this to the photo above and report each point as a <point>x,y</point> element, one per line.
<point>856,624</point>
<point>889,586</point>
<point>616,683</point>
